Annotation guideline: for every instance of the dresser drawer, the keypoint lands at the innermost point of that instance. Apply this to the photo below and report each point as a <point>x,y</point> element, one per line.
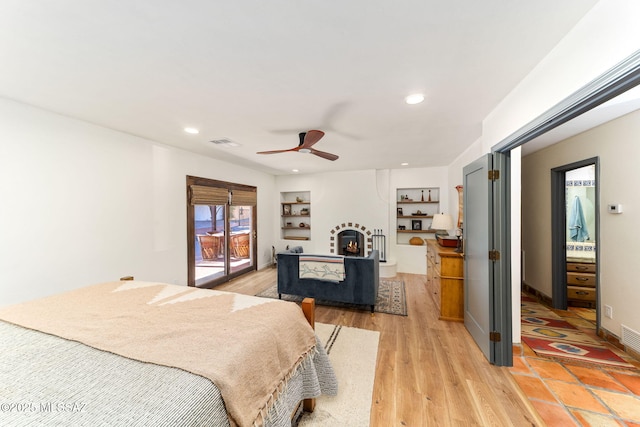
<point>581,279</point>
<point>581,268</point>
<point>580,293</point>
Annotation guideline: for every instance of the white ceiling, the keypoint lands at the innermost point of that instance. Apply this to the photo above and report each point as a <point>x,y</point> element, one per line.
<point>259,72</point>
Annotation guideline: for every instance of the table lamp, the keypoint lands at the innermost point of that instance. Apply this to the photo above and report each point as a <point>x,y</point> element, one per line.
<point>441,223</point>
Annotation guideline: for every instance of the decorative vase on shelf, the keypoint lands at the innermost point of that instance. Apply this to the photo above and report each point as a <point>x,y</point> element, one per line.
<point>429,195</point>
<point>416,241</point>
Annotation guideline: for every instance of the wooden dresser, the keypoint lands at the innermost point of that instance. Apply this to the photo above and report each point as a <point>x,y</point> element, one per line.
<point>581,284</point>
<point>445,275</point>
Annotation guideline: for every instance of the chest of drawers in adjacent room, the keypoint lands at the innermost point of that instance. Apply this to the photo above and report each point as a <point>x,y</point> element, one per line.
<point>581,284</point>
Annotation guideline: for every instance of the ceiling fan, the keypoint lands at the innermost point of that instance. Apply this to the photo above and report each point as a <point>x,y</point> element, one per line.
<point>307,140</point>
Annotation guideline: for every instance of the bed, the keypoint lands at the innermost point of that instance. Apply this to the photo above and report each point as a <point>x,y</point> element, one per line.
<point>146,353</point>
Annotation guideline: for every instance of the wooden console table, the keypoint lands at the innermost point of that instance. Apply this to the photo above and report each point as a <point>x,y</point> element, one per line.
<point>445,274</point>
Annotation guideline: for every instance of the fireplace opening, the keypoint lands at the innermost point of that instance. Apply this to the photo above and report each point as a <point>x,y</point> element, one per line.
<point>350,243</point>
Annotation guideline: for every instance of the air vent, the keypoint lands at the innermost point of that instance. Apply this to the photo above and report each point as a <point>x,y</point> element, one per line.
<point>224,142</point>
<point>631,338</point>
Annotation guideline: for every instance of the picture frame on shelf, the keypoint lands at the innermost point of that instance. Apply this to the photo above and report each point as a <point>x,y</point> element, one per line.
<point>286,209</point>
<point>416,224</point>
<point>399,211</point>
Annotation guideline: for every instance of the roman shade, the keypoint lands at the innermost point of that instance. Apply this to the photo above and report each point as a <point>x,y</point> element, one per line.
<point>243,198</point>
<point>205,195</point>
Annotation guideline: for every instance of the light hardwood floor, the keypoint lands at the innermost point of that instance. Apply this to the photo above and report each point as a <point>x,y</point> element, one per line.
<point>429,372</point>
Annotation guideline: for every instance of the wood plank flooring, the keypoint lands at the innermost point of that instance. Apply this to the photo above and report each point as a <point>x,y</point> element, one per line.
<point>429,372</point>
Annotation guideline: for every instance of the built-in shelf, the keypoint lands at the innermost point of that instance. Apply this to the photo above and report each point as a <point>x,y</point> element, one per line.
<point>295,209</point>
<point>415,208</point>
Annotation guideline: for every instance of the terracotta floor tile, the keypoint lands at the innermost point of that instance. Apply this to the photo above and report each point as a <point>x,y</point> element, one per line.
<point>517,350</point>
<point>597,378</point>
<point>632,382</point>
<point>590,419</point>
<point>627,406</point>
<point>576,396</point>
<point>554,415</point>
<point>527,351</point>
<point>519,366</point>
<point>550,369</point>
<point>534,388</point>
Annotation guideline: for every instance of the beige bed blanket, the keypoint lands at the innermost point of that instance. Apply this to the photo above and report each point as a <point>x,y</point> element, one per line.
<point>248,346</point>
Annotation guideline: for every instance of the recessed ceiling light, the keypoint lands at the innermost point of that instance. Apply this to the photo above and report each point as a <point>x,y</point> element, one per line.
<point>404,164</point>
<point>192,131</point>
<point>295,170</point>
<point>416,98</point>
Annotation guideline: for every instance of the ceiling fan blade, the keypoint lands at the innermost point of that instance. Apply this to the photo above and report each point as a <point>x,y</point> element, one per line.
<point>277,151</point>
<point>310,138</point>
<point>324,154</point>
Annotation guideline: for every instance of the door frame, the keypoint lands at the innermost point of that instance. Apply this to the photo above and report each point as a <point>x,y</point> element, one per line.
<point>620,78</point>
<point>559,234</point>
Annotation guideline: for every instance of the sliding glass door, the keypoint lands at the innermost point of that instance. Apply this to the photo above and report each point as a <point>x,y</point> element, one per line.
<point>221,231</point>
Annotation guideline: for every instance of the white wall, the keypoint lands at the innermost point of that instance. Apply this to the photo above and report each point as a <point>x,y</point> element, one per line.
<point>615,143</point>
<point>82,204</point>
<point>365,197</point>
<point>606,35</point>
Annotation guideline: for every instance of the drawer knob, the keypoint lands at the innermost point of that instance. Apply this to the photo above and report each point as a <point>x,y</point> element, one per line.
<point>581,267</point>
<point>582,293</point>
<point>582,279</point>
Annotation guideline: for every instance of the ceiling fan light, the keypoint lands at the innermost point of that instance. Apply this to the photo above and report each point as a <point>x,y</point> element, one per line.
<point>416,98</point>
<point>304,150</point>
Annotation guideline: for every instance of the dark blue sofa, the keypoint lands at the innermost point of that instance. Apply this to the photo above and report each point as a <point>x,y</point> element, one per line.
<point>360,285</point>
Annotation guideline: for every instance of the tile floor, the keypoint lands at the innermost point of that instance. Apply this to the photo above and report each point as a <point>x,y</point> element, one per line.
<point>567,394</point>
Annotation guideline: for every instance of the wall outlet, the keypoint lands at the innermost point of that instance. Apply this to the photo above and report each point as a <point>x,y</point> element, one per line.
<point>608,311</point>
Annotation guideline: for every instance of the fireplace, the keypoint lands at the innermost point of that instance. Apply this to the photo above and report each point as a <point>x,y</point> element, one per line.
<point>350,243</point>
<point>341,234</point>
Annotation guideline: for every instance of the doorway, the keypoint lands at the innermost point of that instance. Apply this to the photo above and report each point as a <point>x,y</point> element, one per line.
<point>575,225</point>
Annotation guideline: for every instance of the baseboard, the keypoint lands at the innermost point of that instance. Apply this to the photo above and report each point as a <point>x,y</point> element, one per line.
<point>537,294</point>
<point>611,339</point>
